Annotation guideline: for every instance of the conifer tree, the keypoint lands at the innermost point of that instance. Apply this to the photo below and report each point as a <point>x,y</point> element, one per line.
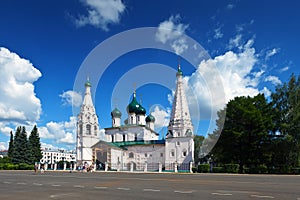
<point>11,146</point>
<point>34,146</point>
<point>20,146</point>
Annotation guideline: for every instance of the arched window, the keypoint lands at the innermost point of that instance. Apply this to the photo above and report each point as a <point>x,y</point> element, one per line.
<point>184,153</point>
<point>172,153</point>
<point>131,155</point>
<point>124,138</point>
<point>135,137</point>
<point>88,129</point>
<point>112,138</point>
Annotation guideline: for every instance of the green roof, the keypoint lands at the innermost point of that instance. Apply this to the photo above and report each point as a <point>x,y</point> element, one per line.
<point>116,113</point>
<point>150,118</point>
<point>140,142</point>
<point>135,107</point>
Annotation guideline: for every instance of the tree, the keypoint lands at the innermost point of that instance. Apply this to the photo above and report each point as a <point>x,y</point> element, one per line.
<point>20,154</point>
<point>245,134</point>
<point>34,146</point>
<point>286,101</point>
<point>198,139</point>
<point>11,146</point>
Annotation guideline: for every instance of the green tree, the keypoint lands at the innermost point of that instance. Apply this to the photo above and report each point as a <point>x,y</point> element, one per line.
<point>245,135</point>
<point>11,146</point>
<point>286,101</point>
<point>198,140</point>
<point>20,146</point>
<point>34,146</point>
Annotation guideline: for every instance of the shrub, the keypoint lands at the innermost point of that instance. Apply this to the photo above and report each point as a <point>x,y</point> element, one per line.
<point>194,169</point>
<point>217,170</point>
<point>231,168</point>
<point>203,168</point>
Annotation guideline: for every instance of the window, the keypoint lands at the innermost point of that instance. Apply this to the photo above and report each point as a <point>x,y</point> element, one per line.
<point>146,155</point>
<point>130,155</point>
<point>95,130</point>
<point>184,153</point>
<point>172,153</point>
<point>88,129</point>
<point>112,138</point>
<point>135,137</point>
<point>80,129</point>
<point>178,143</point>
<point>124,138</point>
<point>161,154</point>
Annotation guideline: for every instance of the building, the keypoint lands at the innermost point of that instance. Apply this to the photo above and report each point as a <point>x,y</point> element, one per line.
<point>52,157</point>
<point>135,145</point>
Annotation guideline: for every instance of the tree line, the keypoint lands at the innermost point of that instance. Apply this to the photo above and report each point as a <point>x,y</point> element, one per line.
<point>261,135</point>
<point>23,149</point>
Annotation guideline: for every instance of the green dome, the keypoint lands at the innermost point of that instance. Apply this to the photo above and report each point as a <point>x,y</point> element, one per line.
<point>135,107</point>
<point>88,83</point>
<point>116,113</point>
<point>150,118</point>
<point>179,72</point>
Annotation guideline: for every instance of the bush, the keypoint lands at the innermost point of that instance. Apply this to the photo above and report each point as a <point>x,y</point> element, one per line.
<point>295,170</point>
<point>203,168</point>
<point>217,170</point>
<point>194,169</point>
<point>24,166</point>
<point>231,168</point>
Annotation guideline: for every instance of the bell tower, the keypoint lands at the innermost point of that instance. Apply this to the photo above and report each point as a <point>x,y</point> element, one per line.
<point>179,139</point>
<point>87,128</point>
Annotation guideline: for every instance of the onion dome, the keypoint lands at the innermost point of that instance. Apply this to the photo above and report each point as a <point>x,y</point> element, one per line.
<point>135,107</point>
<point>179,71</point>
<point>88,83</point>
<point>150,118</point>
<point>116,113</point>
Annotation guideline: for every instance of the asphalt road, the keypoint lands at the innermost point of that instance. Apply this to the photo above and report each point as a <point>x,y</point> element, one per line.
<point>113,185</point>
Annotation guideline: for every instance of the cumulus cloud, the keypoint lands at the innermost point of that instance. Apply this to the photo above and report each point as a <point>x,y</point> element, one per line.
<point>71,98</point>
<point>61,132</point>
<point>172,32</point>
<point>235,42</point>
<point>3,146</point>
<point>218,80</point>
<point>266,92</point>
<point>101,13</point>
<point>162,117</point>
<point>273,79</point>
<point>18,101</point>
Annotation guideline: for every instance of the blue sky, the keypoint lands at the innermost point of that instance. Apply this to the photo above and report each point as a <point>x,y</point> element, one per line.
<point>254,45</point>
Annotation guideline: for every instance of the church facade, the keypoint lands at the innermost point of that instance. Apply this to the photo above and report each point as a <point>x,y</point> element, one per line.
<point>135,145</point>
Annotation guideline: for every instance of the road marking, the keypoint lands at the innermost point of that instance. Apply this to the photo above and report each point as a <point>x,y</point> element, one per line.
<point>222,194</point>
<point>6,182</point>
<point>79,186</point>
<point>259,196</point>
<point>54,185</point>
<point>96,187</point>
<point>151,190</point>
<point>21,183</point>
<point>39,184</point>
<point>184,192</point>
<point>123,188</point>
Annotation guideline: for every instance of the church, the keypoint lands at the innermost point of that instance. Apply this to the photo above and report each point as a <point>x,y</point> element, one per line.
<point>135,145</point>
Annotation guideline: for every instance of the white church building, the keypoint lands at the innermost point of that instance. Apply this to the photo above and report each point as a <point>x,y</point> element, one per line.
<point>135,145</point>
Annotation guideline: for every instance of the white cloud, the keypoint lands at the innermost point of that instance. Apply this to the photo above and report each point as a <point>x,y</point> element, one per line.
<point>218,33</point>
<point>232,70</point>
<point>3,146</point>
<point>71,98</point>
<point>271,53</point>
<point>172,31</point>
<point>284,69</point>
<point>235,42</point>
<point>230,6</point>
<point>266,91</point>
<point>61,132</point>
<point>273,79</point>
<point>101,13</point>
<point>162,117</point>
<point>18,101</point>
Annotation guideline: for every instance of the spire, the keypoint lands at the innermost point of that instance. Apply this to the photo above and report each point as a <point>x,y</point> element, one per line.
<point>87,96</point>
<point>179,72</point>
<point>180,121</point>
